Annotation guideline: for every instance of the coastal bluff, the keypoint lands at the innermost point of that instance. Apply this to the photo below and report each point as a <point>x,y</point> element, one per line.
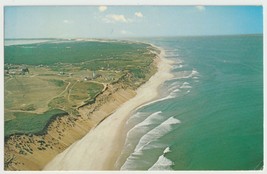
<point>33,152</point>
<point>71,97</point>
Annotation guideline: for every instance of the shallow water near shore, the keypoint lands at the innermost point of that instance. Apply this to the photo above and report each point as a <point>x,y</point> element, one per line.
<point>209,116</point>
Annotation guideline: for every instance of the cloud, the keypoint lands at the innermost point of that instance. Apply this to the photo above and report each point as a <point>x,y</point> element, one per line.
<point>138,14</point>
<point>66,21</point>
<point>200,8</point>
<point>102,8</point>
<point>124,32</point>
<point>112,18</point>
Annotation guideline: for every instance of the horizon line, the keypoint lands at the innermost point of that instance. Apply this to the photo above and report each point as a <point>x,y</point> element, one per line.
<point>28,38</point>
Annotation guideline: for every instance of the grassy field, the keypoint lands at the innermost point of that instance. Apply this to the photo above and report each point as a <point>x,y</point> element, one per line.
<point>26,93</point>
<point>26,123</point>
<point>64,52</point>
<point>65,74</point>
<point>77,93</point>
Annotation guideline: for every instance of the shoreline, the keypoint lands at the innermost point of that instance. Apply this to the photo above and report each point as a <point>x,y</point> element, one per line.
<point>34,152</point>
<point>99,149</point>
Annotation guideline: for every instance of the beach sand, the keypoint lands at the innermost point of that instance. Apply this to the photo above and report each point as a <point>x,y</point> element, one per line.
<point>99,149</point>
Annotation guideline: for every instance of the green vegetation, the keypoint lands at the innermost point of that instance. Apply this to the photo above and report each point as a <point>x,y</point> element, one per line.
<point>66,74</point>
<point>78,93</point>
<point>29,107</point>
<point>58,83</point>
<point>30,123</point>
<point>69,52</point>
<point>137,73</point>
<point>93,89</point>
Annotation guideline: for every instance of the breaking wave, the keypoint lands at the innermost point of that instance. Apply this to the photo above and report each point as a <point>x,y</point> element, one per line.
<point>152,136</point>
<point>163,163</point>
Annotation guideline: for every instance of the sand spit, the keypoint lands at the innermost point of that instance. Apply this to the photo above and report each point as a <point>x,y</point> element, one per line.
<point>99,149</point>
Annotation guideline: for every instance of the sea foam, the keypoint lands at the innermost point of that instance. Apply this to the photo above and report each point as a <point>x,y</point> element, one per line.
<point>185,85</point>
<point>167,150</point>
<point>135,133</point>
<point>186,74</point>
<point>142,127</point>
<point>177,66</point>
<point>163,163</point>
<point>135,118</point>
<point>156,133</point>
<point>170,96</point>
<point>144,144</point>
<point>152,119</point>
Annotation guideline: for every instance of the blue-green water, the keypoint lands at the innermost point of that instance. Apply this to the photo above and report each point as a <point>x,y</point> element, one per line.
<point>210,116</point>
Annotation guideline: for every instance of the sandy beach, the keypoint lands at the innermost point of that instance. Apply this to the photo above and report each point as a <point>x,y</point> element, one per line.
<point>99,149</point>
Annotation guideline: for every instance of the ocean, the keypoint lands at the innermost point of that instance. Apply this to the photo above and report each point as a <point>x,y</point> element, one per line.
<point>209,116</point>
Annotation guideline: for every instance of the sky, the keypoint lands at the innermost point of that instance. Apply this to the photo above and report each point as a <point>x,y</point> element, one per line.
<point>130,21</point>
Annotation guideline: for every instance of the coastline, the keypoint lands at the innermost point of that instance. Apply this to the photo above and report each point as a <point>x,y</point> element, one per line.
<point>34,152</point>
<point>99,149</point>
